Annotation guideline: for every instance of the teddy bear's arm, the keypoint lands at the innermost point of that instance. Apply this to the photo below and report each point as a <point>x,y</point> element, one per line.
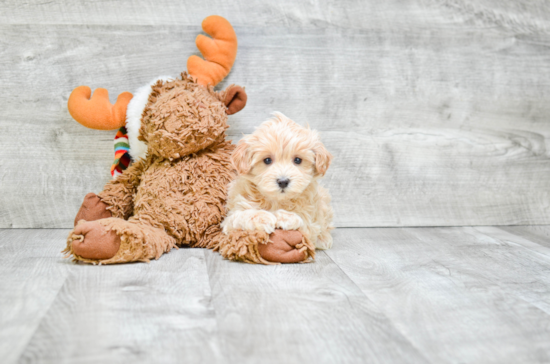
<point>119,194</point>
<point>281,246</point>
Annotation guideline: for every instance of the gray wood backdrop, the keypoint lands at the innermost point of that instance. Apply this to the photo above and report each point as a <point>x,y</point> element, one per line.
<point>437,111</point>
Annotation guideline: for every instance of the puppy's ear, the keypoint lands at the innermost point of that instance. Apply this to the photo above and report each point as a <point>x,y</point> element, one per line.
<point>235,99</point>
<point>241,158</point>
<point>322,158</point>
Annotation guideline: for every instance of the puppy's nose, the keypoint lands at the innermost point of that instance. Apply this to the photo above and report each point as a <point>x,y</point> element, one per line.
<point>283,182</point>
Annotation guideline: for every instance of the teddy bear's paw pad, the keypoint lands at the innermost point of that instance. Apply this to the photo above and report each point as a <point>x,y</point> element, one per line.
<point>284,247</point>
<point>95,242</point>
<point>288,220</point>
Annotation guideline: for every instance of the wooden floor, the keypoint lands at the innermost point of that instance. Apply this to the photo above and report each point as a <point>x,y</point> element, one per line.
<point>381,295</point>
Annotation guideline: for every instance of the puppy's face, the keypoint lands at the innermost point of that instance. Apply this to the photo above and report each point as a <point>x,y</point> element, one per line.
<point>281,158</point>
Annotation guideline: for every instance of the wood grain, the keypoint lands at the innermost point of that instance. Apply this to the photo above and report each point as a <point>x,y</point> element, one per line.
<point>479,297</point>
<point>435,111</point>
<point>324,13</point>
<point>143,313</point>
<point>300,313</point>
<point>539,234</point>
<point>527,17</point>
<point>31,277</point>
<point>381,295</point>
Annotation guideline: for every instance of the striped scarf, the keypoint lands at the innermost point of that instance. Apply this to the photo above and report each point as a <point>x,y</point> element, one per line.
<point>122,155</point>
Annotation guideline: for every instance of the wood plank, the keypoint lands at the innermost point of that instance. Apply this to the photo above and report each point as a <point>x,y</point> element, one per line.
<point>533,287</point>
<point>527,17</point>
<point>143,313</point>
<point>31,275</point>
<point>324,13</point>
<point>539,234</point>
<point>380,295</point>
<point>457,294</point>
<point>517,265</point>
<point>435,177</point>
<point>165,12</point>
<point>308,313</point>
<point>518,238</point>
<point>428,127</point>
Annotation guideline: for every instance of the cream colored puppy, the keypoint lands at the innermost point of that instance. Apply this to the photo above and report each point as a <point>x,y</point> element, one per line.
<point>279,166</point>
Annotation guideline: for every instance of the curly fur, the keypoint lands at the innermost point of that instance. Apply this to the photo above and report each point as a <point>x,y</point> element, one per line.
<point>175,195</point>
<point>182,117</point>
<point>136,106</point>
<point>257,202</point>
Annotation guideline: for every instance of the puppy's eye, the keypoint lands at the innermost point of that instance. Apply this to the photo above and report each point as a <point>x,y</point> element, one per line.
<point>297,160</point>
<point>268,161</point>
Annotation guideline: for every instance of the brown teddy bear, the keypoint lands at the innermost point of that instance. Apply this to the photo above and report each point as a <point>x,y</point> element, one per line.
<point>175,191</point>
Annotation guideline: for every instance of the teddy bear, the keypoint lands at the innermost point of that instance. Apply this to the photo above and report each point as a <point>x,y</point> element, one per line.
<point>174,191</point>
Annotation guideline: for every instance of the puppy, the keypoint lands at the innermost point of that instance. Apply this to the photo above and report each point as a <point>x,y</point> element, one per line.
<point>279,166</point>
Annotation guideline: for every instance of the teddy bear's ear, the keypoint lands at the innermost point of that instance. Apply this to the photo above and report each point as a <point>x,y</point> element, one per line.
<point>235,99</point>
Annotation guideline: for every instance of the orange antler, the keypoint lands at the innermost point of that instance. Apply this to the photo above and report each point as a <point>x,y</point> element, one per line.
<point>219,52</point>
<point>97,112</point>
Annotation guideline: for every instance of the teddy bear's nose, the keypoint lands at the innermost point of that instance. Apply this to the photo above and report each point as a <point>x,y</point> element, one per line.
<point>283,182</point>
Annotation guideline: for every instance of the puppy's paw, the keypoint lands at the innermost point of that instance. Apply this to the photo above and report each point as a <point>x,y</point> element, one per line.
<point>263,221</point>
<point>324,241</point>
<point>288,220</point>
<point>250,220</point>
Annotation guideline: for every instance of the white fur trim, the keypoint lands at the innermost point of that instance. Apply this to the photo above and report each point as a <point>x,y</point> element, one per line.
<point>138,149</point>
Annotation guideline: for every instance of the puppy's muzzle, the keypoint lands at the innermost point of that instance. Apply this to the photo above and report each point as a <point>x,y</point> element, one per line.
<point>283,182</point>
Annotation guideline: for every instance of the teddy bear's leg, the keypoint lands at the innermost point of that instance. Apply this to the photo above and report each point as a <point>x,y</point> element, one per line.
<point>281,246</point>
<point>114,240</point>
<point>92,208</point>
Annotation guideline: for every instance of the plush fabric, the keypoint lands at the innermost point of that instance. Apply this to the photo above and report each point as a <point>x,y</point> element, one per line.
<point>97,112</point>
<point>292,246</point>
<point>219,52</point>
<point>104,243</point>
<point>248,246</point>
<point>235,99</point>
<point>122,153</point>
<point>137,242</point>
<point>92,209</point>
<point>176,195</point>
<point>138,149</point>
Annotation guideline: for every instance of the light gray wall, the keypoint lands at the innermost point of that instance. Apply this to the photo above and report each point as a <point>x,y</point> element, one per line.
<point>437,112</point>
